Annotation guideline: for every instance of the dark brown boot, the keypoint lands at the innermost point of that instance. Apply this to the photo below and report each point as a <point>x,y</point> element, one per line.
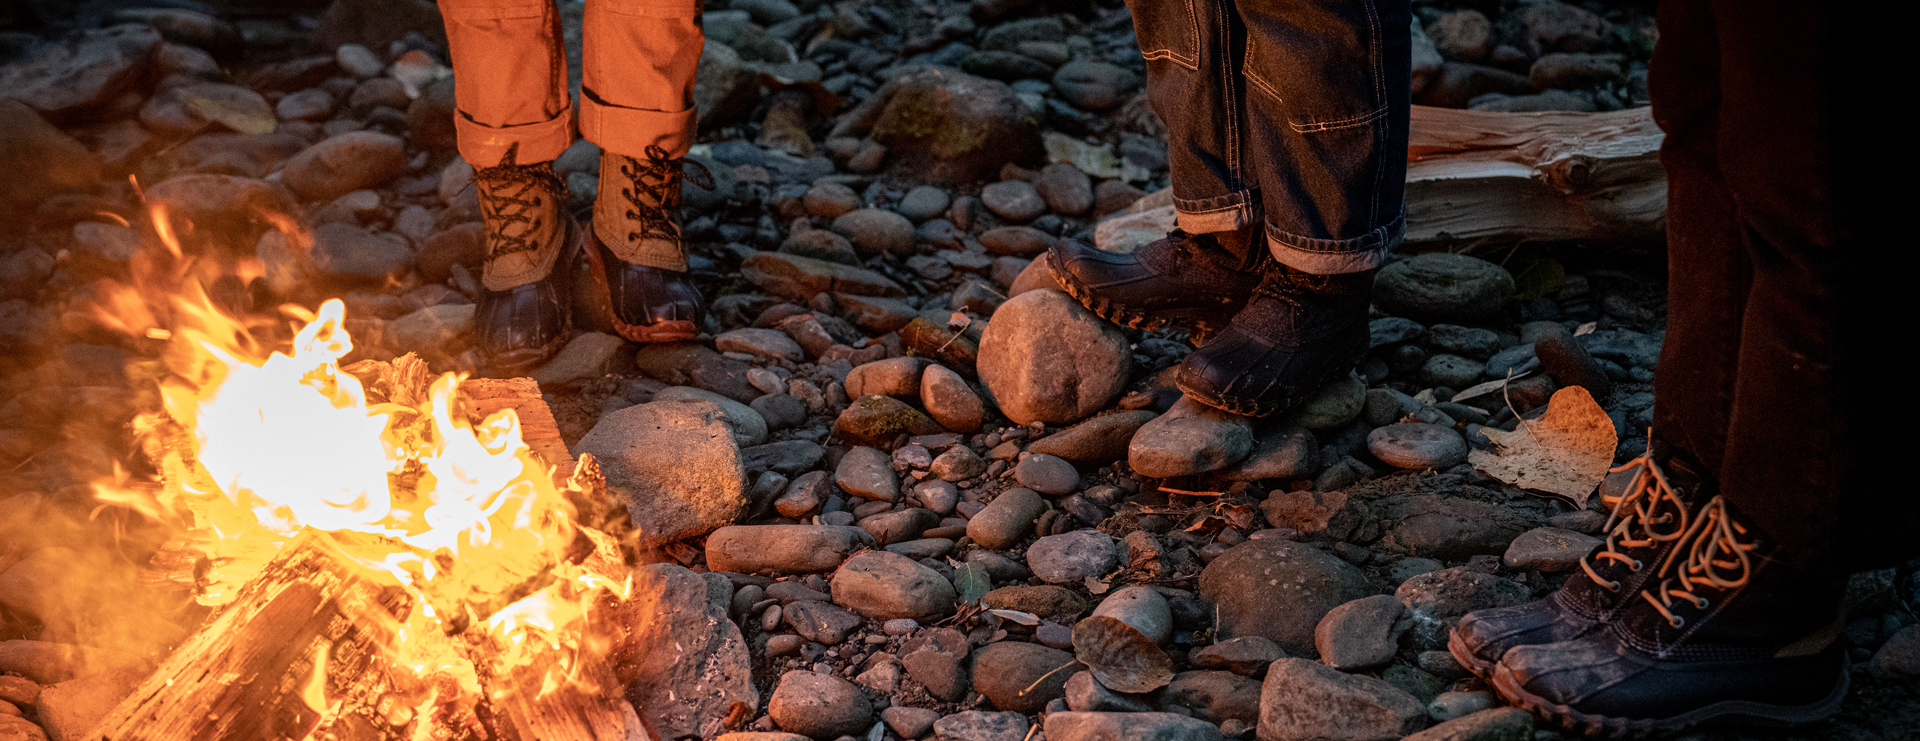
<point>522,317</point>
<point>1296,332</point>
<point>1186,280</point>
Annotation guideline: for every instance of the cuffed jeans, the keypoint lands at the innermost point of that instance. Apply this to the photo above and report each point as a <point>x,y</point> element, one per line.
<point>510,77</point>
<point>1289,114</point>
<point>1785,216</point>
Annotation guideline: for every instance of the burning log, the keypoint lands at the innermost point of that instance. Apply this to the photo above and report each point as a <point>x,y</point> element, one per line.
<point>315,647</point>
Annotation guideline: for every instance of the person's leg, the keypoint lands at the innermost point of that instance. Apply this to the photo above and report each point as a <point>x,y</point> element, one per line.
<point>1199,274</point>
<point>1326,114</point>
<point>512,119</point>
<point>638,63</point>
<point>1762,386</point>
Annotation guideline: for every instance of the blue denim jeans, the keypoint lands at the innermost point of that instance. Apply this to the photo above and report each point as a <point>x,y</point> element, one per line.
<point>1291,114</point>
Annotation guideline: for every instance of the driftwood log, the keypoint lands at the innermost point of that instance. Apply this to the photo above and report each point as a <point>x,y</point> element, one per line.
<point>1503,178</point>
<point>1555,176</point>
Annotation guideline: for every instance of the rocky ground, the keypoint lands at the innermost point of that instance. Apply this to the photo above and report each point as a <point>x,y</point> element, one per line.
<point>902,488</point>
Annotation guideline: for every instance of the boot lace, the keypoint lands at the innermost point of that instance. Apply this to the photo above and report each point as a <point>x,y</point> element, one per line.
<point>1716,558</point>
<point>1648,513</point>
<point>513,197</point>
<point>654,191</point>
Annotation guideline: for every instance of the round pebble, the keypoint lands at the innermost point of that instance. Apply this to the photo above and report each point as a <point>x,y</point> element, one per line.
<point>900,626</point>
<point>830,200</point>
<point>923,203</point>
<point>784,644</point>
<point>1013,200</point>
<point>1417,445</point>
<point>1047,474</point>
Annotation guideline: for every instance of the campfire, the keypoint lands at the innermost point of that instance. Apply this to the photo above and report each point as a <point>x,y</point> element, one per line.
<point>388,556</point>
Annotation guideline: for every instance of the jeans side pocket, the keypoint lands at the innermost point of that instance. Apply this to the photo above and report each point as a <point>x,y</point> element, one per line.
<point>1322,62</point>
<point>1167,29</point>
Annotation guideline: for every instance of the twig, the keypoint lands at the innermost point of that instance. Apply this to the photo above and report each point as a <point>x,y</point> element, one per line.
<point>1043,677</point>
<point>1171,490</point>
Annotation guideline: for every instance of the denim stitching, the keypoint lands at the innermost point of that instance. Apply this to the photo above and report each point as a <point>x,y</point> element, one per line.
<point>1348,123</point>
<point>1380,98</point>
<point>1234,165</point>
<point>1189,61</point>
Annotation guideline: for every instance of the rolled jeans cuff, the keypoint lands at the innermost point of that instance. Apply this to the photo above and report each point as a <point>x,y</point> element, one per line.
<point>629,131</point>
<point>1236,210</point>
<point>1336,256</point>
<point>483,146</point>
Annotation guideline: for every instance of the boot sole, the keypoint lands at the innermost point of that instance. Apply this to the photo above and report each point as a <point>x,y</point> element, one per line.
<point>1256,409</point>
<point>1608,727</point>
<point>1466,658</point>
<point>1200,324</point>
<point>669,331</point>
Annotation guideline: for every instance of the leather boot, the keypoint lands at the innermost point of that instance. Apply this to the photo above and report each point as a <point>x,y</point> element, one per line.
<point>636,250</point>
<point>1187,280</point>
<point>1296,332</point>
<point>1725,628</point>
<point>1648,515</point>
<point>521,316</point>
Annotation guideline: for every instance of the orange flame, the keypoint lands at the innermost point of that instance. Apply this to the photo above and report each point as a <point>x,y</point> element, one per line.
<point>253,446</point>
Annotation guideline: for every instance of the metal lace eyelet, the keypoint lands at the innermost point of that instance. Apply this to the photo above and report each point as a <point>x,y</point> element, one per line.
<point>1677,621</point>
<point>1637,564</point>
<point>1612,586</point>
<point>1701,603</point>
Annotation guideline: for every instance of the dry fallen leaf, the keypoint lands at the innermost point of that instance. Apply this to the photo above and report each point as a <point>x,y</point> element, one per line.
<point>1566,452</point>
<point>1120,657</point>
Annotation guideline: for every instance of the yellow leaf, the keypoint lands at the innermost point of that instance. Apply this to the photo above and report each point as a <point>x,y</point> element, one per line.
<point>1565,452</point>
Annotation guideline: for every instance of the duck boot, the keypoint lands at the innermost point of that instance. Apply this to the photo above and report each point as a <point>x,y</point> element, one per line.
<point>1193,281</point>
<point>1296,332</point>
<point>636,251</point>
<point>1649,512</point>
<point>522,317</point>
<point>1728,628</point>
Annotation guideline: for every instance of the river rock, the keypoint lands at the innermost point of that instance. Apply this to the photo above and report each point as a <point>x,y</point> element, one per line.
<point>28,144</point>
<point>1436,600</point>
<point>787,549</point>
<point>749,428</point>
<point>1247,656</point>
<point>1443,287</point>
<point>1013,200</point>
<point>1282,452</point>
<point>896,377</point>
<point>1046,474</point>
<point>1010,675</point>
<point>1076,726</point>
<point>1278,589</point>
<point>801,278</point>
<point>877,420</point>
<point>1549,549</point>
<point>674,464</point>
<point>1007,519</point>
<point>943,127</point>
<point>982,725</point>
<point>1065,188</point>
<point>1191,438</point>
<point>1335,405</point>
<point>1496,724</point>
<point>1093,85</point>
<point>950,401</point>
<point>1216,696</point>
<point>867,473</point>
<point>1069,558</point>
<point>876,231</point>
<point>683,661</point>
<point>1015,241</point>
<point>884,586</point>
<point>1362,634</point>
<point>82,72</point>
<point>1302,700</point>
<point>1097,441</point>
<point>1044,358</point>
<point>1417,446</point>
<point>818,705</point>
<point>345,163</point>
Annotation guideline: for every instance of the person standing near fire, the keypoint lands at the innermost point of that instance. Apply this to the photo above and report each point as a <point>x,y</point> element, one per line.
<point>514,117</point>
